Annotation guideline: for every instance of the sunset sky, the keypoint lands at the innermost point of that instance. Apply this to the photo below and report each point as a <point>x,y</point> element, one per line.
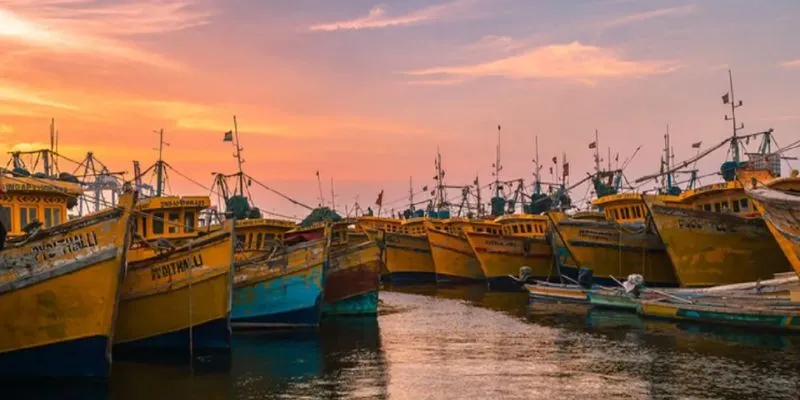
<point>365,91</point>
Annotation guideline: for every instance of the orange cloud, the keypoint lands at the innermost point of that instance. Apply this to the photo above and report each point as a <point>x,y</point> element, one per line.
<point>4,128</point>
<point>378,18</point>
<point>792,64</point>
<point>92,28</point>
<point>648,15</point>
<point>573,61</point>
<point>11,94</point>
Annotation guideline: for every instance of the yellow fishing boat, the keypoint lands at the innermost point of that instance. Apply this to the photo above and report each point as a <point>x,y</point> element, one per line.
<point>59,279</point>
<point>778,202</point>
<point>453,258</point>
<point>516,241</point>
<point>177,282</point>
<point>714,235</point>
<point>617,245</point>
<point>406,252</point>
<point>353,277</point>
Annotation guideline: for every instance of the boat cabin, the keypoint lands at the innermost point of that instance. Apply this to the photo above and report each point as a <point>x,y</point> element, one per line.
<point>379,223</point>
<point>523,225</point>
<point>623,208</point>
<point>457,226</point>
<point>24,200</point>
<point>169,217</point>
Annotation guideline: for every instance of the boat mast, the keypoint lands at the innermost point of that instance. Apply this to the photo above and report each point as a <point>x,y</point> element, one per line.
<point>732,118</point>
<point>537,186</point>
<point>596,152</point>
<point>478,196</point>
<point>333,197</point>
<point>411,193</point>
<point>497,166</point>
<point>160,163</point>
<point>238,155</point>
<point>440,200</point>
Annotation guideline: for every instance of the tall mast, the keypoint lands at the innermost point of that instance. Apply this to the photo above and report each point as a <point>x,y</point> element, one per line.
<point>160,163</point>
<point>497,166</point>
<point>238,156</point>
<point>410,193</point>
<point>333,197</point>
<point>596,152</point>
<point>537,186</point>
<point>440,200</point>
<point>732,118</point>
<point>479,211</point>
<point>667,160</point>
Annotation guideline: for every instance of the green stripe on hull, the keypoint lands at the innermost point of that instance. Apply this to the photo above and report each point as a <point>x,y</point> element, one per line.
<point>361,305</point>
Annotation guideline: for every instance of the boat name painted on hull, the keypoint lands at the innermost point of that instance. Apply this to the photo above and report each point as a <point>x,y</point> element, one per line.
<point>693,223</point>
<point>169,269</point>
<point>67,245</point>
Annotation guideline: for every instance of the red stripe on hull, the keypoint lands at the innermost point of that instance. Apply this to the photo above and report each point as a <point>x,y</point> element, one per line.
<point>349,282</point>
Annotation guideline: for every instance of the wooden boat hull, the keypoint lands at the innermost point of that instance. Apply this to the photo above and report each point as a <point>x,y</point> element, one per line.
<point>613,301</point>
<point>609,249</point>
<point>351,284</point>
<point>571,293</point>
<point>742,317</point>
<point>453,258</point>
<point>59,295</point>
<point>780,213</point>
<point>501,256</point>
<point>284,291</point>
<point>710,248</point>
<point>166,297</point>
<point>407,259</point>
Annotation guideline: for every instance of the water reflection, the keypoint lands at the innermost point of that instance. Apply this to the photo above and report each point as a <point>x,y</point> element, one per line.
<point>466,343</point>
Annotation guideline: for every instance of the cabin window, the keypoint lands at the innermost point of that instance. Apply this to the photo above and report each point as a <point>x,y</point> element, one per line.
<point>515,229</point>
<point>700,207</point>
<point>725,206</point>
<point>52,217</point>
<point>144,226</point>
<point>717,207</point>
<point>188,221</point>
<point>480,230</point>
<point>158,223</point>
<point>636,212</point>
<point>736,208</point>
<point>744,204</point>
<point>26,216</point>
<point>616,214</point>
<point>240,239</point>
<point>528,228</point>
<point>5,217</point>
<point>174,222</point>
<point>250,241</point>
<point>707,207</point>
<point>259,241</point>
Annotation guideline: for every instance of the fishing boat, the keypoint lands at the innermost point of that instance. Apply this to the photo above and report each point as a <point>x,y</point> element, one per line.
<point>178,282</point>
<point>284,289</point>
<point>713,234</point>
<point>724,311</point>
<point>59,279</point>
<point>520,241</point>
<point>406,252</point>
<point>351,281</point>
<point>453,258</point>
<point>558,292</point>
<point>615,239</point>
<point>778,202</point>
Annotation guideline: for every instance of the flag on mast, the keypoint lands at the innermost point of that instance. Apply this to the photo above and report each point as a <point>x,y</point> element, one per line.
<point>696,145</point>
<point>592,145</point>
<point>379,200</point>
<point>228,136</point>
<point>726,98</point>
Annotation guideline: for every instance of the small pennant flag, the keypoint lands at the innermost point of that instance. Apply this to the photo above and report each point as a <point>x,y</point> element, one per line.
<point>726,98</point>
<point>592,145</point>
<point>696,145</point>
<point>425,188</point>
<point>498,127</point>
<point>566,169</point>
<point>379,200</point>
<point>228,136</point>
<point>555,160</point>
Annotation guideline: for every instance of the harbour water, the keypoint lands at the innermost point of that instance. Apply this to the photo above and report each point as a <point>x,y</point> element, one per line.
<point>467,343</point>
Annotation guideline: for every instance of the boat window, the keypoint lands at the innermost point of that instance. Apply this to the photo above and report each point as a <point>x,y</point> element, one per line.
<point>26,216</point>
<point>240,241</point>
<point>515,228</point>
<point>736,206</point>
<point>56,216</point>
<point>625,213</point>
<point>174,222</point>
<point>158,223</point>
<point>744,204</point>
<point>5,217</point>
<point>259,239</point>
<point>269,236</point>
<point>699,206</point>
<point>716,207</point>
<point>528,228</point>
<point>707,207</point>
<point>637,212</point>
<point>48,217</point>
<point>480,230</point>
<point>725,206</point>
<point>188,221</point>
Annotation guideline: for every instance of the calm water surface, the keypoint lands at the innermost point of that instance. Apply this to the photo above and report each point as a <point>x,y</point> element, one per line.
<point>466,343</point>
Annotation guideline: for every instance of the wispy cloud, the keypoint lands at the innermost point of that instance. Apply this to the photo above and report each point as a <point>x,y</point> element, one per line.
<point>572,61</point>
<point>95,28</point>
<point>649,15</point>
<point>378,17</point>
<point>792,64</point>
<point>496,43</point>
<point>23,95</point>
<point>5,128</point>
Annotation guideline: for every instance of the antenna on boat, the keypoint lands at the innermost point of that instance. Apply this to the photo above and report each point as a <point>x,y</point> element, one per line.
<point>596,147</point>
<point>479,211</point>
<point>321,197</point>
<point>333,197</point>
<point>410,193</point>
<point>729,98</point>
<point>537,186</point>
<point>440,199</point>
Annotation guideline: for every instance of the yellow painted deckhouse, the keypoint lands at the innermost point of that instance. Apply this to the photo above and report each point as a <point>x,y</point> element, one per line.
<point>406,251</point>
<point>25,199</point>
<point>516,241</point>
